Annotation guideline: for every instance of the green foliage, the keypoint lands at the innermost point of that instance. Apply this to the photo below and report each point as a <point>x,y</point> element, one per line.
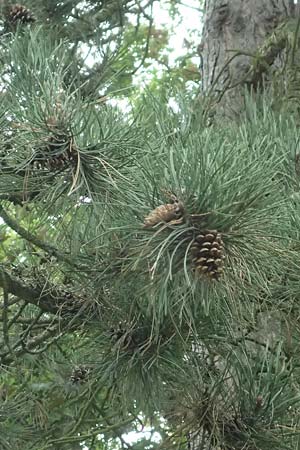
<point>142,46</point>
<point>161,324</point>
<point>109,43</point>
<point>107,325</point>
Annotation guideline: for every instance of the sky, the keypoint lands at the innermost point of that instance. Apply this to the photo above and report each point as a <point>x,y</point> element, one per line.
<point>191,19</point>
<point>188,27</point>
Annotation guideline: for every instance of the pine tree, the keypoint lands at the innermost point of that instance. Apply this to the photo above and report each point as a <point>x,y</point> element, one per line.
<point>149,262</point>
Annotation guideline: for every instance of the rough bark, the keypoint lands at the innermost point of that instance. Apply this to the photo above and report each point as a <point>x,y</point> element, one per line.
<point>233,31</point>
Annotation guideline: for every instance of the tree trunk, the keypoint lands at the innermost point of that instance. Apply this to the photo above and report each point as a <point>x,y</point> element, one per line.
<point>233,31</point>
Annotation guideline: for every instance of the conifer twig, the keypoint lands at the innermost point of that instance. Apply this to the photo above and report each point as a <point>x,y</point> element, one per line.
<point>53,251</point>
<point>5,316</point>
<point>35,296</point>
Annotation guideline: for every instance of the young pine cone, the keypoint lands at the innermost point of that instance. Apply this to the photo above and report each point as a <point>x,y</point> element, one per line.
<point>164,213</point>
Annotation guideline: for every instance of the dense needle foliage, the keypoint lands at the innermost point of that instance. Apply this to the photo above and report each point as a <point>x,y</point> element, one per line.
<point>111,319</point>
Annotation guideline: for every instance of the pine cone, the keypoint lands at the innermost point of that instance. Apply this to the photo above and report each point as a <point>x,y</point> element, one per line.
<point>19,14</point>
<point>164,213</point>
<point>207,251</point>
<point>79,374</point>
<point>56,155</point>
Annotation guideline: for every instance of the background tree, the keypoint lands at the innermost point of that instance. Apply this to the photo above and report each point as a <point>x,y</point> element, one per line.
<point>243,45</point>
<point>142,253</point>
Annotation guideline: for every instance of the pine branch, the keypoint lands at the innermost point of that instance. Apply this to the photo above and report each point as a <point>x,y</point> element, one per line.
<point>39,339</point>
<point>5,316</point>
<point>82,437</point>
<point>71,315</point>
<point>19,198</point>
<point>13,224</point>
<point>37,296</point>
<point>21,348</point>
<point>14,199</point>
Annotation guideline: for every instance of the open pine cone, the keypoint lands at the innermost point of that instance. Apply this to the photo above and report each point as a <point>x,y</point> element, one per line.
<point>19,14</point>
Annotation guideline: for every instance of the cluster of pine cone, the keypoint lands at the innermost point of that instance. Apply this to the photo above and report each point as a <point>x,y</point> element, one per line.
<point>207,249</point>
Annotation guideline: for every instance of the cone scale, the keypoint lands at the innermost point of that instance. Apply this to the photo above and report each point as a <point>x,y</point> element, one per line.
<point>207,254</point>
<point>20,14</point>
